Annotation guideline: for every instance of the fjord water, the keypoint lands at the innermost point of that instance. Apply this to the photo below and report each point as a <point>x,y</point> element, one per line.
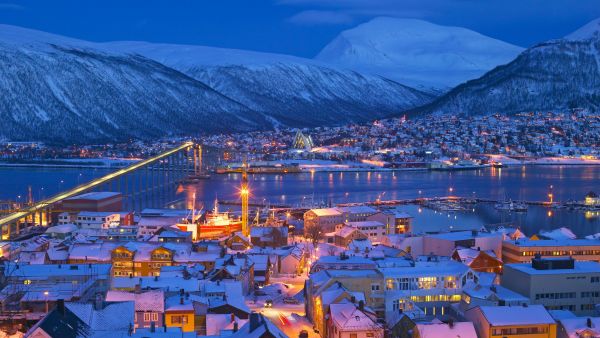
<point>531,183</point>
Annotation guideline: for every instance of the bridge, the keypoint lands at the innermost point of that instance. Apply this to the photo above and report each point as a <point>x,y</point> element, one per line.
<point>142,184</point>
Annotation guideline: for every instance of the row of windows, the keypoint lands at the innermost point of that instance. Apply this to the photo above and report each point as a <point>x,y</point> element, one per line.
<point>561,307</point>
<point>148,316</point>
<point>587,294</point>
<point>448,282</point>
<point>552,252</point>
<point>556,295</point>
<point>520,330</point>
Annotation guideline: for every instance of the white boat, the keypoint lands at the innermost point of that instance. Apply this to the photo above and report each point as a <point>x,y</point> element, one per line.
<point>511,206</point>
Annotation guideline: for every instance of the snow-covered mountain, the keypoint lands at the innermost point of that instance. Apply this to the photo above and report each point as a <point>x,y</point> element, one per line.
<point>67,90</point>
<point>417,53</point>
<point>554,75</point>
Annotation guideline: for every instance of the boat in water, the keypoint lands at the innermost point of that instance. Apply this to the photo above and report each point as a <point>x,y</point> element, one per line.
<point>511,205</point>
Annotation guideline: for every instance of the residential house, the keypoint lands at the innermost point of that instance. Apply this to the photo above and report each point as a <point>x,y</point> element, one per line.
<point>512,322</point>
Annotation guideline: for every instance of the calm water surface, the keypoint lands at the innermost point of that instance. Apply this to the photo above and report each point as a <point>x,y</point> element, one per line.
<point>532,183</point>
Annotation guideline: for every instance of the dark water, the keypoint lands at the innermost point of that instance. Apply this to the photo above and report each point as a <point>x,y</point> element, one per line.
<point>532,183</point>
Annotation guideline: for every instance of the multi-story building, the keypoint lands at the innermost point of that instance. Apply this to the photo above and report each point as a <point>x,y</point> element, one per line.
<point>374,230</point>
<point>524,250</point>
<point>97,220</point>
<point>328,218</point>
<point>432,285</point>
<point>512,322</point>
<point>556,283</point>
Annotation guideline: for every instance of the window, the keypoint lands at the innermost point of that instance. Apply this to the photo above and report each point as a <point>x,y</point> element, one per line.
<point>179,320</point>
<point>353,335</point>
<point>595,279</point>
<point>370,334</point>
<point>374,287</point>
<point>147,316</point>
<point>155,317</point>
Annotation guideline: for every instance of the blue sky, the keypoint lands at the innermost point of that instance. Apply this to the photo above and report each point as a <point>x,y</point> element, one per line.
<point>298,27</point>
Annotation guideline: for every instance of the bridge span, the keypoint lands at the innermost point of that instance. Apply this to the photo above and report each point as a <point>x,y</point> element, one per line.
<point>153,176</point>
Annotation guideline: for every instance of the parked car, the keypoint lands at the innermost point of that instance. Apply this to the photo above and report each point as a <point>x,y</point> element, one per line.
<point>268,303</point>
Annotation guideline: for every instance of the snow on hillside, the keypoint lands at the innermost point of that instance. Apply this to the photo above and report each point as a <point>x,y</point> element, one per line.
<point>589,31</point>
<point>79,91</point>
<point>554,75</point>
<point>417,53</point>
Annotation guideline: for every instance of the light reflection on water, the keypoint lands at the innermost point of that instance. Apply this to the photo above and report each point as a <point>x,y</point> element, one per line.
<point>521,183</point>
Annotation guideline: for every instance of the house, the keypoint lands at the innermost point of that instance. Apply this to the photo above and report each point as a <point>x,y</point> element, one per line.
<point>102,201</point>
<point>346,234</point>
<point>292,260</point>
<point>83,320</point>
<point>236,268</point>
<point>269,236</point>
<point>342,262</point>
<point>237,241</point>
<point>513,321</point>
<point>490,295</point>
<point>347,320</point>
<point>262,269</point>
<point>179,312</point>
<point>579,327</point>
<point>258,326</point>
<point>477,260</point>
<point>62,231</point>
<point>149,306</point>
<point>450,330</point>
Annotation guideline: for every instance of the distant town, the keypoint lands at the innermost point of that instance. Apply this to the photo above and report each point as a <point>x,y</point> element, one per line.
<point>430,142</point>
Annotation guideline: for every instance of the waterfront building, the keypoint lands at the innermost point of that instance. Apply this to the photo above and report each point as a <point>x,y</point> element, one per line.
<point>328,218</point>
<point>103,201</point>
<point>556,283</point>
<point>592,199</point>
<point>97,220</point>
<point>512,321</point>
<point>524,250</point>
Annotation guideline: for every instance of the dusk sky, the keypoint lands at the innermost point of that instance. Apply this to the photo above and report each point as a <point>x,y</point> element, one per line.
<point>298,27</point>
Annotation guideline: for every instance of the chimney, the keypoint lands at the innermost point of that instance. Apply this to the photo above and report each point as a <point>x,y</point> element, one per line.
<point>353,299</point>
<point>361,305</point>
<point>588,322</point>
<point>181,301</point>
<point>152,327</point>
<point>474,233</point>
<point>181,292</point>
<point>254,321</point>
<point>450,323</point>
<point>60,306</point>
<point>138,288</point>
<point>235,326</point>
